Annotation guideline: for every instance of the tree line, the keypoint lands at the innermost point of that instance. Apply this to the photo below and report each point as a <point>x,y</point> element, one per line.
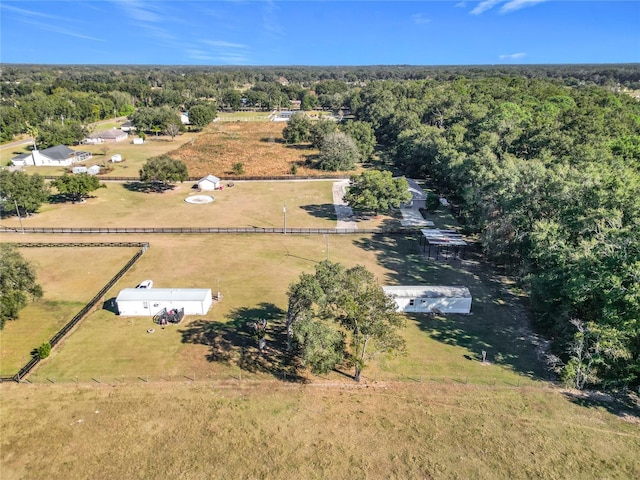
<point>549,176</point>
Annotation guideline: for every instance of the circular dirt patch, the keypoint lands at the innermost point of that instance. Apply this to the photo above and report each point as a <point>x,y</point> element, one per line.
<point>199,199</point>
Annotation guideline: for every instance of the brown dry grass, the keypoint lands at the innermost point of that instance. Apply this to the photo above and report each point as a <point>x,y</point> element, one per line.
<point>257,145</point>
<point>273,430</point>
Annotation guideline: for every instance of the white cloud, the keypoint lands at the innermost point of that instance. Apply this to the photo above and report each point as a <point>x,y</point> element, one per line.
<point>420,19</point>
<point>513,56</point>
<point>508,7</point>
<point>484,6</point>
<point>223,44</point>
<point>270,19</point>
<point>28,13</point>
<point>222,51</point>
<point>514,5</point>
<point>138,11</point>
<point>461,4</point>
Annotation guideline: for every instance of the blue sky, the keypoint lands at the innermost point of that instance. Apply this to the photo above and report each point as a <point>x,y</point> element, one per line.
<point>317,32</point>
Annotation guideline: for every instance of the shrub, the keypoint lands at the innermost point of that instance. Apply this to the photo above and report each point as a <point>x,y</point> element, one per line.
<point>238,168</point>
<point>44,350</point>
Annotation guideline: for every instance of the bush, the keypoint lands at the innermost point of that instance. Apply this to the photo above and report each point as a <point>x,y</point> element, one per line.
<point>44,350</point>
<point>238,168</point>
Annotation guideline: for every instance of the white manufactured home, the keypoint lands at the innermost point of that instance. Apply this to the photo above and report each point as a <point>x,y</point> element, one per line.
<point>430,299</point>
<point>150,301</point>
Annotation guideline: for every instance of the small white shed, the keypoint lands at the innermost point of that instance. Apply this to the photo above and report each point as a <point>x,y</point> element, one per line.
<point>138,141</point>
<point>93,170</point>
<point>210,182</point>
<point>149,301</point>
<point>116,158</point>
<point>78,170</point>
<point>430,299</point>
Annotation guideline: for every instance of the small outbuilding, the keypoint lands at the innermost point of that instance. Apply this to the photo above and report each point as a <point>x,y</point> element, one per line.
<point>117,158</point>
<point>148,302</point>
<point>210,182</point>
<point>93,170</point>
<point>78,170</point>
<point>430,299</point>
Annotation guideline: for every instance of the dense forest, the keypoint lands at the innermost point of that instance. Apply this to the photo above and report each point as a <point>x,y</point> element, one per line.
<point>542,162</point>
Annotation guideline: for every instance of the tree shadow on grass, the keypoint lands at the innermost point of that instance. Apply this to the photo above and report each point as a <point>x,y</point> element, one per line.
<point>149,187</point>
<point>499,322</point>
<point>273,140</point>
<point>625,406</point>
<point>235,343</point>
<point>326,211</point>
<point>67,198</point>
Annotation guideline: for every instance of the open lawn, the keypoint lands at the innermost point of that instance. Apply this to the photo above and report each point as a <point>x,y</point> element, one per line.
<point>199,430</point>
<point>253,273</point>
<point>309,204</point>
<point>70,277</point>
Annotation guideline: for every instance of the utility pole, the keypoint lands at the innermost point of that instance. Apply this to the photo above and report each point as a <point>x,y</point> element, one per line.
<point>284,212</point>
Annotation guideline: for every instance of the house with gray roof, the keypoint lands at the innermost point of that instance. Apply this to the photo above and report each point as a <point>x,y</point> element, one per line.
<point>58,156</point>
<point>106,136</point>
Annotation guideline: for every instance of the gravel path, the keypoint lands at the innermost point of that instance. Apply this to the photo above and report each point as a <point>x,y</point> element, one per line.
<point>343,211</point>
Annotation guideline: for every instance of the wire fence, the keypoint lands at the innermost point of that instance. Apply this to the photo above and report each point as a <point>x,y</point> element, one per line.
<point>29,366</point>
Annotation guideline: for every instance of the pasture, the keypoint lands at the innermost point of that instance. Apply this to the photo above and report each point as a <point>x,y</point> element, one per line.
<point>70,277</point>
<point>309,204</point>
<point>200,430</point>
<point>253,273</point>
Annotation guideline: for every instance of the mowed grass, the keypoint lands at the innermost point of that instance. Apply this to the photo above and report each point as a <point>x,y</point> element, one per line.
<point>275,430</point>
<point>253,273</point>
<point>70,277</point>
<point>246,204</point>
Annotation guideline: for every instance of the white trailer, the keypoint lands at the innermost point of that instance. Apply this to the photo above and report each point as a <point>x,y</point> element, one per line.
<point>430,299</point>
<point>150,301</point>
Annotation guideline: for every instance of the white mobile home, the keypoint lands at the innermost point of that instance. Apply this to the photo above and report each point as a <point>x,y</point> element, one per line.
<point>150,301</point>
<point>430,299</point>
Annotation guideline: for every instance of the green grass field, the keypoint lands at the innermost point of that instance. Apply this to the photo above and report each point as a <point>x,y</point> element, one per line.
<point>247,204</point>
<point>253,273</point>
<point>70,277</point>
<point>277,430</point>
<point>198,400</point>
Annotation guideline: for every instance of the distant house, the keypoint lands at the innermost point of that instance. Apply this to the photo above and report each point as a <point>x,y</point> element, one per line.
<point>106,136</point>
<point>127,127</point>
<point>58,156</point>
<point>430,299</point>
<point>184,118</point>
<point>210,182</point>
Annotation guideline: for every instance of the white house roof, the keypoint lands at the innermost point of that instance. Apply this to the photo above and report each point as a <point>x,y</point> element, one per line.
<point>163,294</point>
<point>210,178</point>
<point>419,291</point>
